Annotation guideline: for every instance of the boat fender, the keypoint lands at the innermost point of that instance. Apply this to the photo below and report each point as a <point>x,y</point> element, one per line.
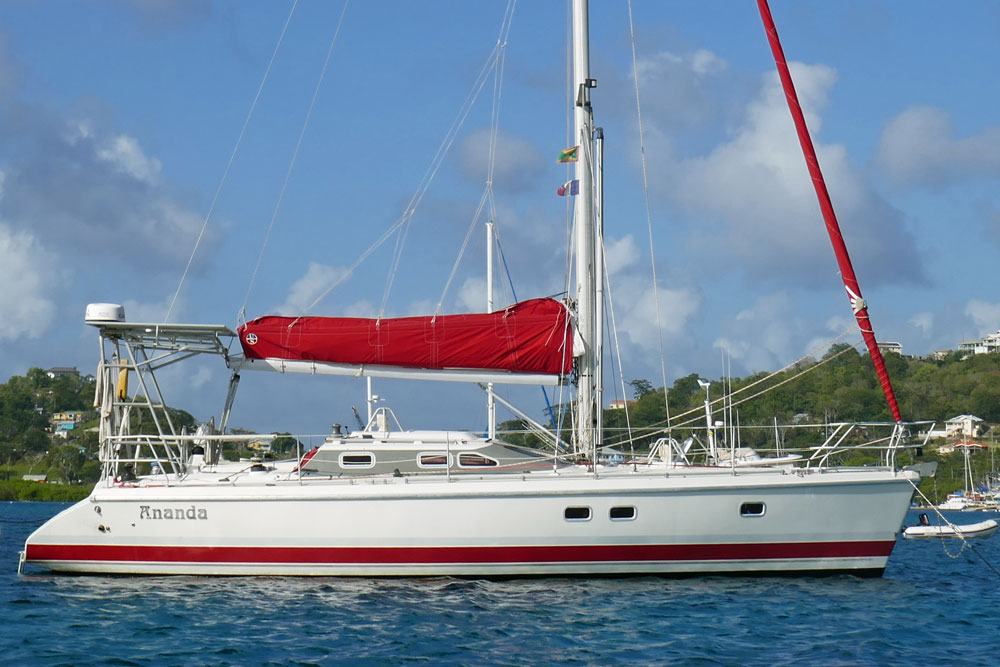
<point>123,384</point>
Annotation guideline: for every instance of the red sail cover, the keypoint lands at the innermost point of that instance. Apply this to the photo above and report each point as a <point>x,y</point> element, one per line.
<point>527,337</point>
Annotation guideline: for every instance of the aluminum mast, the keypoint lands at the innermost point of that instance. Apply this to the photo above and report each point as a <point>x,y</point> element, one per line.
<point>588,411</point>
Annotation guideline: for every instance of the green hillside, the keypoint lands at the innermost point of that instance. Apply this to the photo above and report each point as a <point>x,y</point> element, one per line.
<point>842,386</point>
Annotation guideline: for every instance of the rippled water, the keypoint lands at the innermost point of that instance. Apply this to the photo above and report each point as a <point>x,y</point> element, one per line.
<point>928,608</point>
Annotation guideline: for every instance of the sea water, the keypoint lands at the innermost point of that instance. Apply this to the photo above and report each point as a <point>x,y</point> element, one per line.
<point>936,604</point>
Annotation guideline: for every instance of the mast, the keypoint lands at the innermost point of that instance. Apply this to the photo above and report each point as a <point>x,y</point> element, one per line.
<point>491,405</point>
<point>588,411</point>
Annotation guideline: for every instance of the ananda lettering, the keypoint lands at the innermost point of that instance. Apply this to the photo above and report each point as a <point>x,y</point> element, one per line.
<point>183,513</point>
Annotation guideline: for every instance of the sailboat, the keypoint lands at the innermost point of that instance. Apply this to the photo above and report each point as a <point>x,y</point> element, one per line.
<point>385,501</point>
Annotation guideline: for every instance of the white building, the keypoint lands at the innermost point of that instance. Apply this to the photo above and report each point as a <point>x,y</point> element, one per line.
<point>985,345</point>
<point>964,426</point>
<point>890,346</point>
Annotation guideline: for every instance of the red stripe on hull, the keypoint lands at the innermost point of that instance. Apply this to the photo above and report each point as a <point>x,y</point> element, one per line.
<point>442,555</point>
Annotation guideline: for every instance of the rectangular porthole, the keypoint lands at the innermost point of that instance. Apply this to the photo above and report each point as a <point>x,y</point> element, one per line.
<point>357,460</point>
<point>577,514</point>
<point>624,513</point>
<point>752,509</point>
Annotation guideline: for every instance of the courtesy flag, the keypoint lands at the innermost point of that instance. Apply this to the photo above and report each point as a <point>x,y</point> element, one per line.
<point>569,155</point>
<point>569,188</point>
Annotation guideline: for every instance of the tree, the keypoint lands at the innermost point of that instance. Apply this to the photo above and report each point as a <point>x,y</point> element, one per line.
<point>641,388</point>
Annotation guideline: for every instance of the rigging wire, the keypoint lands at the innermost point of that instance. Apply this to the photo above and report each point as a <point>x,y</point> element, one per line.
<point>618,352</point>
<point>487,197</point>
<point>649,216</point>
<point>403,221</point>
<point>232,158</point>
<point>295,155</point>
<point>696,410</point>
<point>965,540</point>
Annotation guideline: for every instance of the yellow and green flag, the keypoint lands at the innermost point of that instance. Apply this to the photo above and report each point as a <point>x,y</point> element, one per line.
<point>569,155</point>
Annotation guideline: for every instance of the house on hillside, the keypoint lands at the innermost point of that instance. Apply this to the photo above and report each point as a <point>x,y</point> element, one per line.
<point>962,445</point>
<point>964,426</point>
<point>985,345</point>
<point>619,404</point>
<point>60,371</point>
<point>890,346</point>
<point>67,417</point>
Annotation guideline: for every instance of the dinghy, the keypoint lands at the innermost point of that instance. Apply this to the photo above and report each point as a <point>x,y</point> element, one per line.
<point>982,529</point>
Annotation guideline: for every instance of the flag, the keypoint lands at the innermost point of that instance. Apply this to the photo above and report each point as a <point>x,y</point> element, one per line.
<point>569,188</point>
<point>569,155</point>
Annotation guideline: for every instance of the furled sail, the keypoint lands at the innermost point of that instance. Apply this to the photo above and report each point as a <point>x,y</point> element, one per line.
<point>528,337</point>
<point>858,304</point>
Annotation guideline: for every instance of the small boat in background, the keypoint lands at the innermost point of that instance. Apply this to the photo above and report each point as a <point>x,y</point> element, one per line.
<point>980,530</point>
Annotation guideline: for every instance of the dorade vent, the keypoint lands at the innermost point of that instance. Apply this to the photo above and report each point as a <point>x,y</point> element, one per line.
<point>752,509</point>
<point>432,459</point>
<point>470,460</point>
<point>624,513</point>
<point>357,460</point>
<point>577,514</point>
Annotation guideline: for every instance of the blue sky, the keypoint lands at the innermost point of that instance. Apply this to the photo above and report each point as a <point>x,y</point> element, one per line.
<point>117,120</point>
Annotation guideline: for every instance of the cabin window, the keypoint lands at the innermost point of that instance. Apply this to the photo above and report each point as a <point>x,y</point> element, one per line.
<point>577,514</point>
<point>752,509</point>
<point>624,513</point>
<point>468,460</point>
<point>432,460</point>
<point>357,460</point>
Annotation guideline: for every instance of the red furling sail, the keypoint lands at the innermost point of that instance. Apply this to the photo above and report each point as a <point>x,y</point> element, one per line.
<point>832,227</point>
<point>528,337</point>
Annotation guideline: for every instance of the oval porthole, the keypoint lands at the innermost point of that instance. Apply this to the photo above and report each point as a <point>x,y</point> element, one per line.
<point>624,513</point>
<point>752,509</point>
<point>577,514</point>
<point>470,460</point>
<point>432,460</point>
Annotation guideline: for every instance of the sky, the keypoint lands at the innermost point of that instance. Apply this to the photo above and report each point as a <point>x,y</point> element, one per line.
<point>119,121</point>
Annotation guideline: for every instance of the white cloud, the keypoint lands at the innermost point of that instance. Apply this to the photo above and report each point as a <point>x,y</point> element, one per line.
<point>27,310</point>
<point>635,311</point>
<point>152,311</point>
<point>123,152</point>
<point>677,87</point>
<point>304,291</point>
<point>757,200</point>
<point>986,316</point>
<point>518,164</point>
<point>768,334</point>
<point>98,192</point>
<point>918,147</point>
<point>201,377</point>
<point>705,62</point>
<point>923,321</point>
<point>620,254</point>
<point>471,296</point>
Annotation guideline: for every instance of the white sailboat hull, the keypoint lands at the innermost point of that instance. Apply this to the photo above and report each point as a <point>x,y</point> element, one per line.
<point>683,524</point>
